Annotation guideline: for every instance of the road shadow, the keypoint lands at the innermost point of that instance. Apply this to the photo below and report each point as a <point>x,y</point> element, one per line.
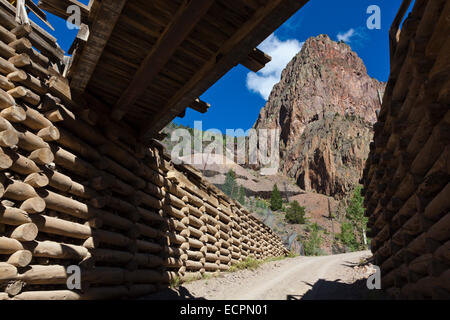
<point>336,290</point>
<point>180,293</point>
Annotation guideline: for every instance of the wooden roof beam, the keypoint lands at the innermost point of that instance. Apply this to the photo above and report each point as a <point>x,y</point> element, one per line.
<point>265,20</point>
<point>100,31</point>
<point>188,15</point>
<point>59,8</point>
<point>82,37</point>
<point>256,60</point>
<point>161,136</point>
<point>38,12</point>
<point>77,46</point>
<point>199,105</point>
<point>394,31</point>
<point>41,39</point>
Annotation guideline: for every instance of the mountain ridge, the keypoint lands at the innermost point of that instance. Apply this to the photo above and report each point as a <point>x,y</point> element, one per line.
<point>325,103</point>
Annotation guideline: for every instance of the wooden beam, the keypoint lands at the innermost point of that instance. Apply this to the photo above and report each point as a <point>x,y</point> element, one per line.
<point>59,8</point>
<point>199,106</point>
<point>161,136</point>
<point>256,60</point>
<point>182,114</point>
<point>41,39</point>
<point>101,109</point>
<point>104,22</point>
<point>77,46</point>
<point>176,32</point>
<point>394,31</point>
<point>39,13</point>
<point>82,37</point>
<point>264,22</point>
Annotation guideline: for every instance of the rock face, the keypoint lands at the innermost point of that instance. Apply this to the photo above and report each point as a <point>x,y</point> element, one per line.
<point>325,106</point>
<point>330,155</point>
<point>253,183</point>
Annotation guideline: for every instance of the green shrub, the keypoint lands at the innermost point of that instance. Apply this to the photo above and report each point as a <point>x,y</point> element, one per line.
<point>241,197</point>
<point>249,263</point>
<point>354,228</point>
<point>260,203</point>
<point>175,282</point>
<point>291,255</point>
<point>252,264</point>
<point>230,186</point>
<point>312,245</point>
<point>276,202</point>
<point>347,236</point>
<point>295,214</point>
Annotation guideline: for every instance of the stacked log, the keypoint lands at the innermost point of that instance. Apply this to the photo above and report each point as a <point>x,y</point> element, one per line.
<point>406,176</point>
<point>79,189</point>
<point>220,232</point>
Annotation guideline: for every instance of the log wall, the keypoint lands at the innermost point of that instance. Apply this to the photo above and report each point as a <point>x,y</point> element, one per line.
<point>79,189</point>
<point>407,191</point>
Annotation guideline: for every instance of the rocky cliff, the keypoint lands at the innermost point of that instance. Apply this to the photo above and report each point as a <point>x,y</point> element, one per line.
<point>324,105</point>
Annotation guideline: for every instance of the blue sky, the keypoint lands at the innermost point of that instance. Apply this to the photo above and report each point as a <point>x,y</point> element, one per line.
<point>235,102</point>
<point>233,105</point>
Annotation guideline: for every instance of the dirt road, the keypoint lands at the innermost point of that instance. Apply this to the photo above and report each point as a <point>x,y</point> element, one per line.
<point>327,277</point>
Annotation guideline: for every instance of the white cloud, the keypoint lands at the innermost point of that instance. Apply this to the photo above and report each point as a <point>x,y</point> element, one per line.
<point>346,35</point>
<point>281,52</point>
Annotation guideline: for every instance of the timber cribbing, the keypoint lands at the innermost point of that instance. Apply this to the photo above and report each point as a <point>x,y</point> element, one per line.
<point>78,189</point>
<point>406,180</point>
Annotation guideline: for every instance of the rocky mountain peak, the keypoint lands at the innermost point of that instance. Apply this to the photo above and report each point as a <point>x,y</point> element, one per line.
<point>325,105</point>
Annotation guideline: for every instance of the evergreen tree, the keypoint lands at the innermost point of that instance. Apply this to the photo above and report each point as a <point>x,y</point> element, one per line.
<point>295,213</point>
<point>230,182</point>
<point>230,187</point>
<point>353,230</point>
<point>312,246</point>
<point>235,194</point>
<point>276,202</point>
<point>241,197</point>
<point>355,214</point>
<point>347,236</point>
